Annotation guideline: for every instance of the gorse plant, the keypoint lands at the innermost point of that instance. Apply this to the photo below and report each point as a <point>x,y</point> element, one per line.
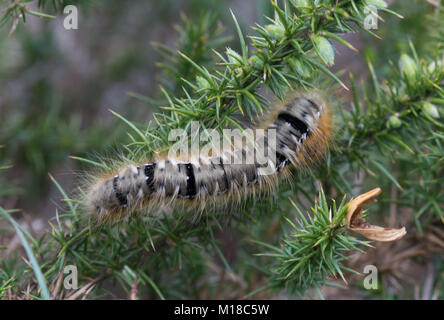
<point>391,135</point>
<point>288,53</point>
<point>313,250</point>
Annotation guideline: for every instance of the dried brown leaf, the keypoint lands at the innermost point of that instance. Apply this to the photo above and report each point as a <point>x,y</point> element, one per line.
<point>356,223</point>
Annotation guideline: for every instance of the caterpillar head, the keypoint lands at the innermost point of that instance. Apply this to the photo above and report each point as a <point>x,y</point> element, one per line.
<point>101,200</point>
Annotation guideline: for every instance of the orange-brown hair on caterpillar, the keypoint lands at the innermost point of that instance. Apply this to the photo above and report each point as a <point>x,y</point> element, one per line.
<point>303,127</point>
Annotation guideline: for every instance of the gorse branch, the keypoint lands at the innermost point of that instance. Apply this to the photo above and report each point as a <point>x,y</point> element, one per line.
<point>287,53</point>
<point>404,118</point>
<point>314,249</point>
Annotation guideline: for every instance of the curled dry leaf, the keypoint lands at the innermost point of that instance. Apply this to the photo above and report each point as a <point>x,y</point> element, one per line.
<point>356,223</point>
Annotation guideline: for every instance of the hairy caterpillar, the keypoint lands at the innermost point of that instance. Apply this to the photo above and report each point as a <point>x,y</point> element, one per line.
<point>302,125</point>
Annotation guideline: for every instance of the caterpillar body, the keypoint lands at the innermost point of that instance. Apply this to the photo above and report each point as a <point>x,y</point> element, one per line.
<point>303,128</point>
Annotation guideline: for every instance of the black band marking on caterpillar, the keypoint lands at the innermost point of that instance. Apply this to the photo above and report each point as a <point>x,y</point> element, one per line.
<point>191,181</point>
<point>281,161</point>
<point>123,201</point>
<point>302,125</point>
<point>296,123</point>
<point>149,173</point>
